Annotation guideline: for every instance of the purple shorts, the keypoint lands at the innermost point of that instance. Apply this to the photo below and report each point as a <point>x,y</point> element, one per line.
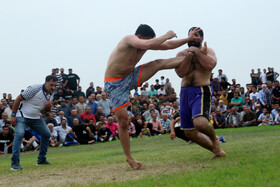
<point>194,101</point>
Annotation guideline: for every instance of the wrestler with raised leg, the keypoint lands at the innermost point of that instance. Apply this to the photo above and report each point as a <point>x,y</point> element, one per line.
<point>196,94</point>
<point>121,76</point>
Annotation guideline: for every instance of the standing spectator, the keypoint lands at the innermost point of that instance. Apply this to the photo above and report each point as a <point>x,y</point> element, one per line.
<point>162,80</point>
<point>275,93</point>
<point>165,123</point>
<point>268,94</point>
<point>259,76</point>
<point>64,78</point>
<point>249,118</point>
<point>1,110</point>
<point>234,83</point>
<point>270,75</point>
<point>72,80</point>
<point>31,102</point>
<point>157,85</point>
<point>93,105</point>
<point>81,106</point>
<point>63,107</point>
<point>219,119</point>
<point>98,91</point>
<point>68,94</point>
<point>105,104</point>
<point>90,90</point>
<point>254,77</point>
<point>59,78</point>
<point>8,138</point>
<point>157,128</point>
<point>220,75</point>
<point>87,115</point>
<point>275,75</point>
<point>54,109</point>
<point>262,95</point>
<point>263,78</point>
<point>167,83</point>
<point>113,127</point>
<point>5,97</point>
<point>79,92</point>
<point>234,119</point>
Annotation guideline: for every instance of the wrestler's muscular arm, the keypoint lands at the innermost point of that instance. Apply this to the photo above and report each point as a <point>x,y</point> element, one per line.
<point>206,57</point>
<point>146,44</point>
<point>186,66</point>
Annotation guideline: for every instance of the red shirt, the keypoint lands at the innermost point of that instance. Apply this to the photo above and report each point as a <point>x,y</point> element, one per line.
<point>87,116</point>
<point>114,127</point>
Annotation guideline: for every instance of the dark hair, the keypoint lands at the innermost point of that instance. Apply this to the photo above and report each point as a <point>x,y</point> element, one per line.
<point>145,31</point>
<point>5,126</point>
<point>199,32</point>
<point>51,77</point>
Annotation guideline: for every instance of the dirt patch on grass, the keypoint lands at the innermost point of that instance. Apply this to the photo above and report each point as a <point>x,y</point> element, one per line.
<point>96,174</point>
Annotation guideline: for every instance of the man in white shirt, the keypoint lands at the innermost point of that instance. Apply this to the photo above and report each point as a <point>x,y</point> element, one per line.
<point>25,112</point>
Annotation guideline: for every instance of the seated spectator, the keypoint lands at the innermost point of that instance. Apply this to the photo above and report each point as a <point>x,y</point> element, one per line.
<point>93,105</point>
<point>93,127</point>
<point>215,84</point>
<point>50,119</point>
<point>54,136</point>
<point>84,134</point>
<point>29,142</point>
<point>224,84</point>
<point>237,101</point>
<point>152,91</point>
<point>235,118</point>
<point>268,120</point>
<point>81,105</point>
<point>274,112</point>
<point>176,131</point>
<point>74,114</point>
<point>87,114</point>
<point>165,122</point>
<point>161,91</point>
<point>131,128</point>
<point>254,97</point>
<point>157,128</point>
<point>224,97</point>
<point>148,115</point>
<point>8,110</point>
<point>219,119</point>
<point>68,94</point>
<point>248,103</point>
<point>113,127</point>
<point>90,90</point>
<point>166,109</point>
<point>276,92</point>
<point>222,107</point>
<point>60,117</point>
<point>169,90</point>
<point>11,128</point>
<point>262,95</point>
<point>6,137</point>
<point>145,131</point>
<point>63,107</point>
<point>157,85</point>
<point>54,109</point>
<point>60,95</point>
<point>99,113</point>
<point>277,118</point>
<point>249,118</point>
<point>102,119</point>
<point>104,133</point>
<point>62,130</point>
<point>262,115</point>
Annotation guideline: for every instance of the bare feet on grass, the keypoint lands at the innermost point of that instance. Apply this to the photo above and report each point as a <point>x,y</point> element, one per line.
<point>134,164</point>
<point>218,152</point>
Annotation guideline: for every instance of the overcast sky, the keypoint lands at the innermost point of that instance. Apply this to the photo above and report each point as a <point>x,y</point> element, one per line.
<point>36,36</point>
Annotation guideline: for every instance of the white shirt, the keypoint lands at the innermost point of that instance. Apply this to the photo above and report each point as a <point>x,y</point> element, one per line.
<point>263,76</point>
<point>34,101</point>
<point>62,132</point>
<point>254,96</point>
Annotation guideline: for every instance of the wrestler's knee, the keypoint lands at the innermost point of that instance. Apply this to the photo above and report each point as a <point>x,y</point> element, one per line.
<point>200,123</point>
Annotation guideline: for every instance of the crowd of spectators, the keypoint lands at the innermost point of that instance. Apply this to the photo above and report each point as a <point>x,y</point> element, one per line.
<point>86,117</point>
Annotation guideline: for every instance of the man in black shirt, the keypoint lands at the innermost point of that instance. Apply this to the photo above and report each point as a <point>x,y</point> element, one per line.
<point>84,134</point>
<point>5,136</point>
<point>72,80</point>
<point>104,133</point>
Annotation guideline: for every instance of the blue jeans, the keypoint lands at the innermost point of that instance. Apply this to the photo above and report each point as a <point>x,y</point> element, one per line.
<point>40,127</point>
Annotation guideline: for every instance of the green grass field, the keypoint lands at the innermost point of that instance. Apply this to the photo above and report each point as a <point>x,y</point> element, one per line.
<point>252,160</point>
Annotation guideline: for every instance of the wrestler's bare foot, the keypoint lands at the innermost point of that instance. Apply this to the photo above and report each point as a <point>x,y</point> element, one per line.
<point>134,164</point>
<point>218,155</point>
<point>218,152</point>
